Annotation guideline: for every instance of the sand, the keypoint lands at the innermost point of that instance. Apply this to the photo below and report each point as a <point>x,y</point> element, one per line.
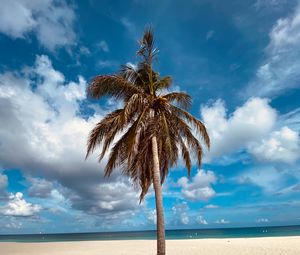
<point>236,246</point>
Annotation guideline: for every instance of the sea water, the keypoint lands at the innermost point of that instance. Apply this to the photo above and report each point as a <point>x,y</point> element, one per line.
<point>151,234</point>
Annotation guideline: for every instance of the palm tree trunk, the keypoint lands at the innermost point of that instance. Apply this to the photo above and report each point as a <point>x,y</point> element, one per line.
<point>161,242</point>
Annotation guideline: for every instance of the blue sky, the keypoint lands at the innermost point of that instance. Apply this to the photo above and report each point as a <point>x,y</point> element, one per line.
<point>240,60</point>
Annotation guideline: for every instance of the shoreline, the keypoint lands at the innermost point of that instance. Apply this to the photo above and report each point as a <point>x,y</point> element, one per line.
<point>171,234</point>
<point>146,240</point>
<point>288,245</point>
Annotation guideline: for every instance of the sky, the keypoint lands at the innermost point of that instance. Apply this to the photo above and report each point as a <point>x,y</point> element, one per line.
<point>240,61</point>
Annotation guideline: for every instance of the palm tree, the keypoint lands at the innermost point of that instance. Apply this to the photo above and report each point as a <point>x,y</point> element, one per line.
<point>155,127</point>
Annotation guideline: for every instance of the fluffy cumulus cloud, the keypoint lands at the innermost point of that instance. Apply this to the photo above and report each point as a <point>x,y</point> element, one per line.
<point>253,127</point>
<point>180,214</point>
<point>14,225</point>
<point>201,220</point>
<point>199,188</point>
<point>280,69</point>
<point>281,146</point>
<point>249,122</point>
<point>51,21</point>
<point>43,133</point>
<point>17,206</point>
<point>151,216</point>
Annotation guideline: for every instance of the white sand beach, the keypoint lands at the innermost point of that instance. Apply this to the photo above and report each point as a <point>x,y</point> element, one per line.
<point>236,246</point>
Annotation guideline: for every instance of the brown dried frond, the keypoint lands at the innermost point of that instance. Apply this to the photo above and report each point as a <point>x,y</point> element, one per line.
<point>144,116</point>
<point>102,128</point>
<point>147,50</point>
<point>182,99</point>
<point>163,83</point>
<point>111,85</point>
<point>195,122</point>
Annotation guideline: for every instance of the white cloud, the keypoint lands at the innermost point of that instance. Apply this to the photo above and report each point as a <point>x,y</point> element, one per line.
<point>199,189</point>
<point>281,146</point>
<point>43,133</point>
<point>103,46</point>
<point>253,127</point>
<point>249,122</point>
<point>185,219</point>
<point>17,206</point>
<point>211,206</point>
<point>151,216</point>
<point>222,221</point>
<point>180,214</point>
<point>285,33</point>
<point>51,21</point>
<point>200,219</point>
<point>14,225</point>
<point>16,19</point>
<point>85,51</point>
<point>291,119</point>
<point>280,69</point>
<point>288,190</point>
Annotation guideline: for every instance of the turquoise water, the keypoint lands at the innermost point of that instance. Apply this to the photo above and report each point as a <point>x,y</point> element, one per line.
<point>170,234</point>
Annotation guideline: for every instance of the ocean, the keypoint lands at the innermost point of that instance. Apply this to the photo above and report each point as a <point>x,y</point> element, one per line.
<point>170,234</point>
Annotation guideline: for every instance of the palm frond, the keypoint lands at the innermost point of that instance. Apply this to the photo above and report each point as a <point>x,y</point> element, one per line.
<point>117,157</point>
<point>111,85</point>
<point>185,132</point>
<point>166,133</point>
<point>129,73</point>
<point>163,83</point>
<point>140,167</point>
<point>101,129</point>
<point>145,116</point>
<point>195,122</point>
<point>135,105</point>
<point>182,99</point>
<point>122,150</point>
<point>186,156</point>
<point>147,50</point>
